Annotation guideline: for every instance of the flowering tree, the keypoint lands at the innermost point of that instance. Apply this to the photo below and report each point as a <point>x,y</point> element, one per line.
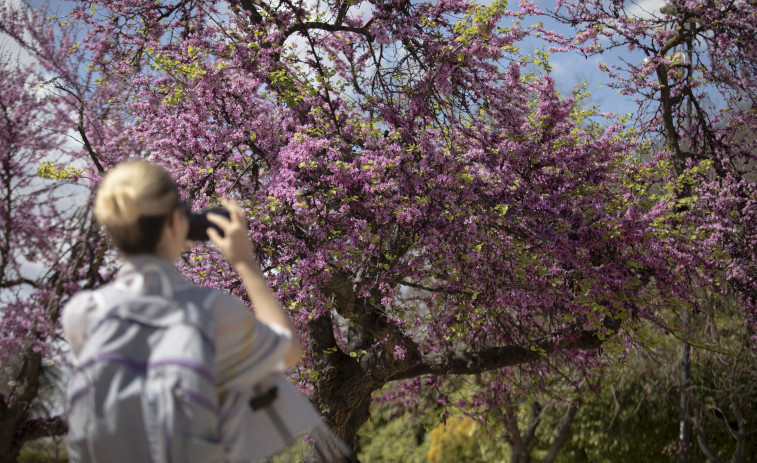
<point>31,268</point>
<point>423,205</point>
<point>696,90</point>
<point>49,248</point>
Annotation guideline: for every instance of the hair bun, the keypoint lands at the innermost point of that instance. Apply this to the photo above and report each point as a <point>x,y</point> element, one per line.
<point>118,205</point>
<point>131,190</point>
<point>125,200</point>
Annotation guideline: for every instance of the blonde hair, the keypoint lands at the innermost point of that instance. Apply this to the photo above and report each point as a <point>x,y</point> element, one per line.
<point>133,201</point>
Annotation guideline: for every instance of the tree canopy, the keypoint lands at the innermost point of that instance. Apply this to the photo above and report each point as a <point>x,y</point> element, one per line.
<point>423,199</point>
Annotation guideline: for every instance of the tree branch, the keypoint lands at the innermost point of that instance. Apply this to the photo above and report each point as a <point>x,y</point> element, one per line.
<point>465,362</point>
<point>301,27</point>
<point>19,281</point>
<point>562,433</point>
<point>702,440</point>
<point>741,425</point>
<point>537,412</point>
<point>510,418</point>
<point>38,428</point>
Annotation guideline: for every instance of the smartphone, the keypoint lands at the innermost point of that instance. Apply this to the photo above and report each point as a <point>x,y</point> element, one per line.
<point>199,223</point>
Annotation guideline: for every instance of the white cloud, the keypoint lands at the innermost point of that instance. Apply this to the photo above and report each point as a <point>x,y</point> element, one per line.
<point>645,9</point>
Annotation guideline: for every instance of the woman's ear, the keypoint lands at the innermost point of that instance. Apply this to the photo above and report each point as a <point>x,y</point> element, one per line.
<point>174,221</point>
<point>180,223</point>
<point>173,218</point>
<point>174,234</point>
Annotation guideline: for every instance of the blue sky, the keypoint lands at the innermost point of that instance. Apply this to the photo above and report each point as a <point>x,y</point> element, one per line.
<point>569,69</point>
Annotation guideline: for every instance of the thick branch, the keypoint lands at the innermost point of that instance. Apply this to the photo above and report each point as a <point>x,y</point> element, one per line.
<point>518,446</point>
<point>19,281</point>
<point>562,433</point>
<point>666,106</point>
<point>702,440</point>
<point>80,127</point>
<point>465,363</point>
<point>741,425</point>
<point>537,412</point>
<point>249,6</point>
<point>322,335</point>
<point>43,427</point>
<point>371,319</point>
<point>301,27</point>
<point>706,411</point>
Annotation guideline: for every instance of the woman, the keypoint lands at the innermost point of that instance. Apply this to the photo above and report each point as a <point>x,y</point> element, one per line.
<point>139,205</point>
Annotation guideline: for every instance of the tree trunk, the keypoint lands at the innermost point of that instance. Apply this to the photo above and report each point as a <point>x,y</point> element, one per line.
<point>10,448</point>
<point>562,433</point>
<point>344,397</point>
<point>343,390</point>
<point>15,409</point>
<point>518,447</point>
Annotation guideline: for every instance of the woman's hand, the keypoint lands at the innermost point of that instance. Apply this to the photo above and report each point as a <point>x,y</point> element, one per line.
<point>235,243</point>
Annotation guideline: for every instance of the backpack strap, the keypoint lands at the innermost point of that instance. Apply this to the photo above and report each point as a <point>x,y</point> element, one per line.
<point>264,400</point>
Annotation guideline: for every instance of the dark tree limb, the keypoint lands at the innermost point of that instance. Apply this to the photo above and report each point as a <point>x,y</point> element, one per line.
<point>306,26</point>
<point>537,412</point>
<point>741,426</point>
<point>702,441</point>
<point>563,429</point>
<point>467,362</point>
<point>518,445</point>
<point>38,428</point>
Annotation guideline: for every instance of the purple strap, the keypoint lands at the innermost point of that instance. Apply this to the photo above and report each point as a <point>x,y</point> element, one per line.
<point>142,366</point>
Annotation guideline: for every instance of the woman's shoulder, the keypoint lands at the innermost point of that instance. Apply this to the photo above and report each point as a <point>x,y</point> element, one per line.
<point>77,318</point>
<point>79,305</point>
<point>221,301</point>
